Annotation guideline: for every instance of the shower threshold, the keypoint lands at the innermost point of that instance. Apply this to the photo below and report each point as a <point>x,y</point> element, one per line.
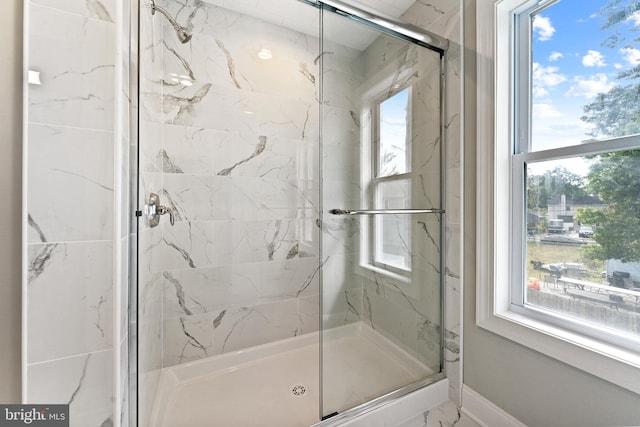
<point>277,384</point>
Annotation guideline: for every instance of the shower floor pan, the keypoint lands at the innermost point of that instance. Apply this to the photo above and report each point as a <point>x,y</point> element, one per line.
<point>277,384</point>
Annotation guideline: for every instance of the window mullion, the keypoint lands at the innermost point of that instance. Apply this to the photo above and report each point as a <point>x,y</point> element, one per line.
<point>518,229</point>
<point>522,65</point>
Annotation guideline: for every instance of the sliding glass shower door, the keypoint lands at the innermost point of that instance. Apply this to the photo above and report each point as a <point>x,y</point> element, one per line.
<point>289,201</point>
<point>381,212</point>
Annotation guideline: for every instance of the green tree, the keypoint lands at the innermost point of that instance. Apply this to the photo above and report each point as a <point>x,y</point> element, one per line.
<point>556,182</point>
<point>615,113</point>
<point>615,177</point>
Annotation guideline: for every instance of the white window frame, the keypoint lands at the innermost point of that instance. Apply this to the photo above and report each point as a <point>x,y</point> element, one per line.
<point>370,93</point>
<point>376,181</point>
<point>497,187</point>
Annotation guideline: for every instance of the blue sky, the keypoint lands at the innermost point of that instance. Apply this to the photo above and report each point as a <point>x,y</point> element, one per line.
<point>571,66</point>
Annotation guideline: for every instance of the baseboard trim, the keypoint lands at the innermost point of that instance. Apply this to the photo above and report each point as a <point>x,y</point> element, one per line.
<point>484,412</point>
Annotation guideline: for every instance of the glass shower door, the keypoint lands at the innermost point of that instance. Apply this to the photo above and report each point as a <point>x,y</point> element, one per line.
<point>381,202</point>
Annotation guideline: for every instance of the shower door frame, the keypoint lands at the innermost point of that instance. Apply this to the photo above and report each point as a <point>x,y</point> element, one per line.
<point>425,39</point>
<point>386,25</point>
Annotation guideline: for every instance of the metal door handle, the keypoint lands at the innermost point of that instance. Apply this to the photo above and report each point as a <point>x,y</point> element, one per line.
<point>153,209</point>
<point>385,211</point>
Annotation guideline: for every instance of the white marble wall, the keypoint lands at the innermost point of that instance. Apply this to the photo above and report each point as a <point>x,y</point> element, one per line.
<point>230,142</point>
<point>148,292</point>
<point>444,17</point>
<point>73,237</point>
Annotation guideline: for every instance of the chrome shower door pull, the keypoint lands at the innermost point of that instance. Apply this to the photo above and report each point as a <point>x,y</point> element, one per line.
<point>153,209</point>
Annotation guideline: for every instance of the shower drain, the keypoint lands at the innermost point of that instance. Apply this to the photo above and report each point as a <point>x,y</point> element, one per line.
<point>298,390</point>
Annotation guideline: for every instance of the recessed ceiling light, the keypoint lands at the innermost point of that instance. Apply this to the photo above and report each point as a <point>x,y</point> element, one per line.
<point>265,54</point>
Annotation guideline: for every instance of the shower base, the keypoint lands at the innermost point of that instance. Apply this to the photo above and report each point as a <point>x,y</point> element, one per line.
<point>277,384</point>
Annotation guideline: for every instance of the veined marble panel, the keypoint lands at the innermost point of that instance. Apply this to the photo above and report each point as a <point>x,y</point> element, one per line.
<point>76,69</point>
<point>191,244</point>
<point>309,314</point>
<point>202,335</point>
<point>196,291</point>
<point>243,327</point>
<point>232,59</point>
<point>70,184</point>
<point>103,10</point>
<point>70,299</point>
<point>204,290</point>
<point>416,334</point>
<point>263,198</point>
<point>341,307</point>
<point>272,240</point>
<point>151,155</point>
<point>187,338</point>
<point>207,106</point>
<point>85,382</point>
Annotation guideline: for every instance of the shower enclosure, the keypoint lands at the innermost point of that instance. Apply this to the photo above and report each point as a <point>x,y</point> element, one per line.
<point>290,212</point>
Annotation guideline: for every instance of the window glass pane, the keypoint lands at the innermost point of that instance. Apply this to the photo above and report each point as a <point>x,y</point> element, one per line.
<point>583,238</point>
<point>585,69</point>
<point>393,232</point>
<point>393,154</point>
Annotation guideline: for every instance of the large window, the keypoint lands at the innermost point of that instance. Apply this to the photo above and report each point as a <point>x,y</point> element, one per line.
<point>563,259</point>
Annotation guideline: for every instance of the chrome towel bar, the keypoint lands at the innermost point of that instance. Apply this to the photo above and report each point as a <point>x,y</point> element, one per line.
<point>385,211</point>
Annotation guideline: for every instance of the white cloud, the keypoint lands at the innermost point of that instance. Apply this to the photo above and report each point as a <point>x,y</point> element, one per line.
<point>546,76</point>
<point>631,55</point>
<point>543,26</point>
<point>591,86</point>
<point>593,58</point>
<point>545,111</point>
<point>539,92</point>
<point>635,18</point>
<point>618,66</point>
<point>555,56</point>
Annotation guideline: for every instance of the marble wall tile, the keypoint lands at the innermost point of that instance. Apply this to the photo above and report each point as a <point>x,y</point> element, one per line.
<point>207,106</point>
<point>85,382</point>
<point>70,299</point>
<point>418,335</point>
<point>341,306</point>
<point>272,240</point>
<point>309,314</point>
<point>70,184</point>
<point>444,18</point>
<point>446,415</point>
<point>103,10</point>
<point>124,381</point>
<point>238,328</point>
<point>233,63</point>
<point>187,338</point>
<point>76,69</point>
<point>190,244</point>
<point>205,290</point>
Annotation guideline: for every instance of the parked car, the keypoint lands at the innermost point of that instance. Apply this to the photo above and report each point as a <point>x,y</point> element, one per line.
<point>585,231</point>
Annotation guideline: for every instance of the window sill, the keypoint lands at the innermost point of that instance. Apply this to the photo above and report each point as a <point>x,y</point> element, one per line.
<point>618,366</point>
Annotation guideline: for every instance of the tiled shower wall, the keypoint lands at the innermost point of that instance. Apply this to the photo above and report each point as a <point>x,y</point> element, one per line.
<point>77,162</point>
<point>233,151</point>
<point>444,17</point>
<point>230,145</point>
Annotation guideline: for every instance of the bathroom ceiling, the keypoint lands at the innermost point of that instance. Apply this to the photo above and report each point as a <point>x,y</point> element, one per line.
<point>299,17</point>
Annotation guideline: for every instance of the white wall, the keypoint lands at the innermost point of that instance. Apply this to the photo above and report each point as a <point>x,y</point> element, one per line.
<point>11,197</point>
<point>534,388</point>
